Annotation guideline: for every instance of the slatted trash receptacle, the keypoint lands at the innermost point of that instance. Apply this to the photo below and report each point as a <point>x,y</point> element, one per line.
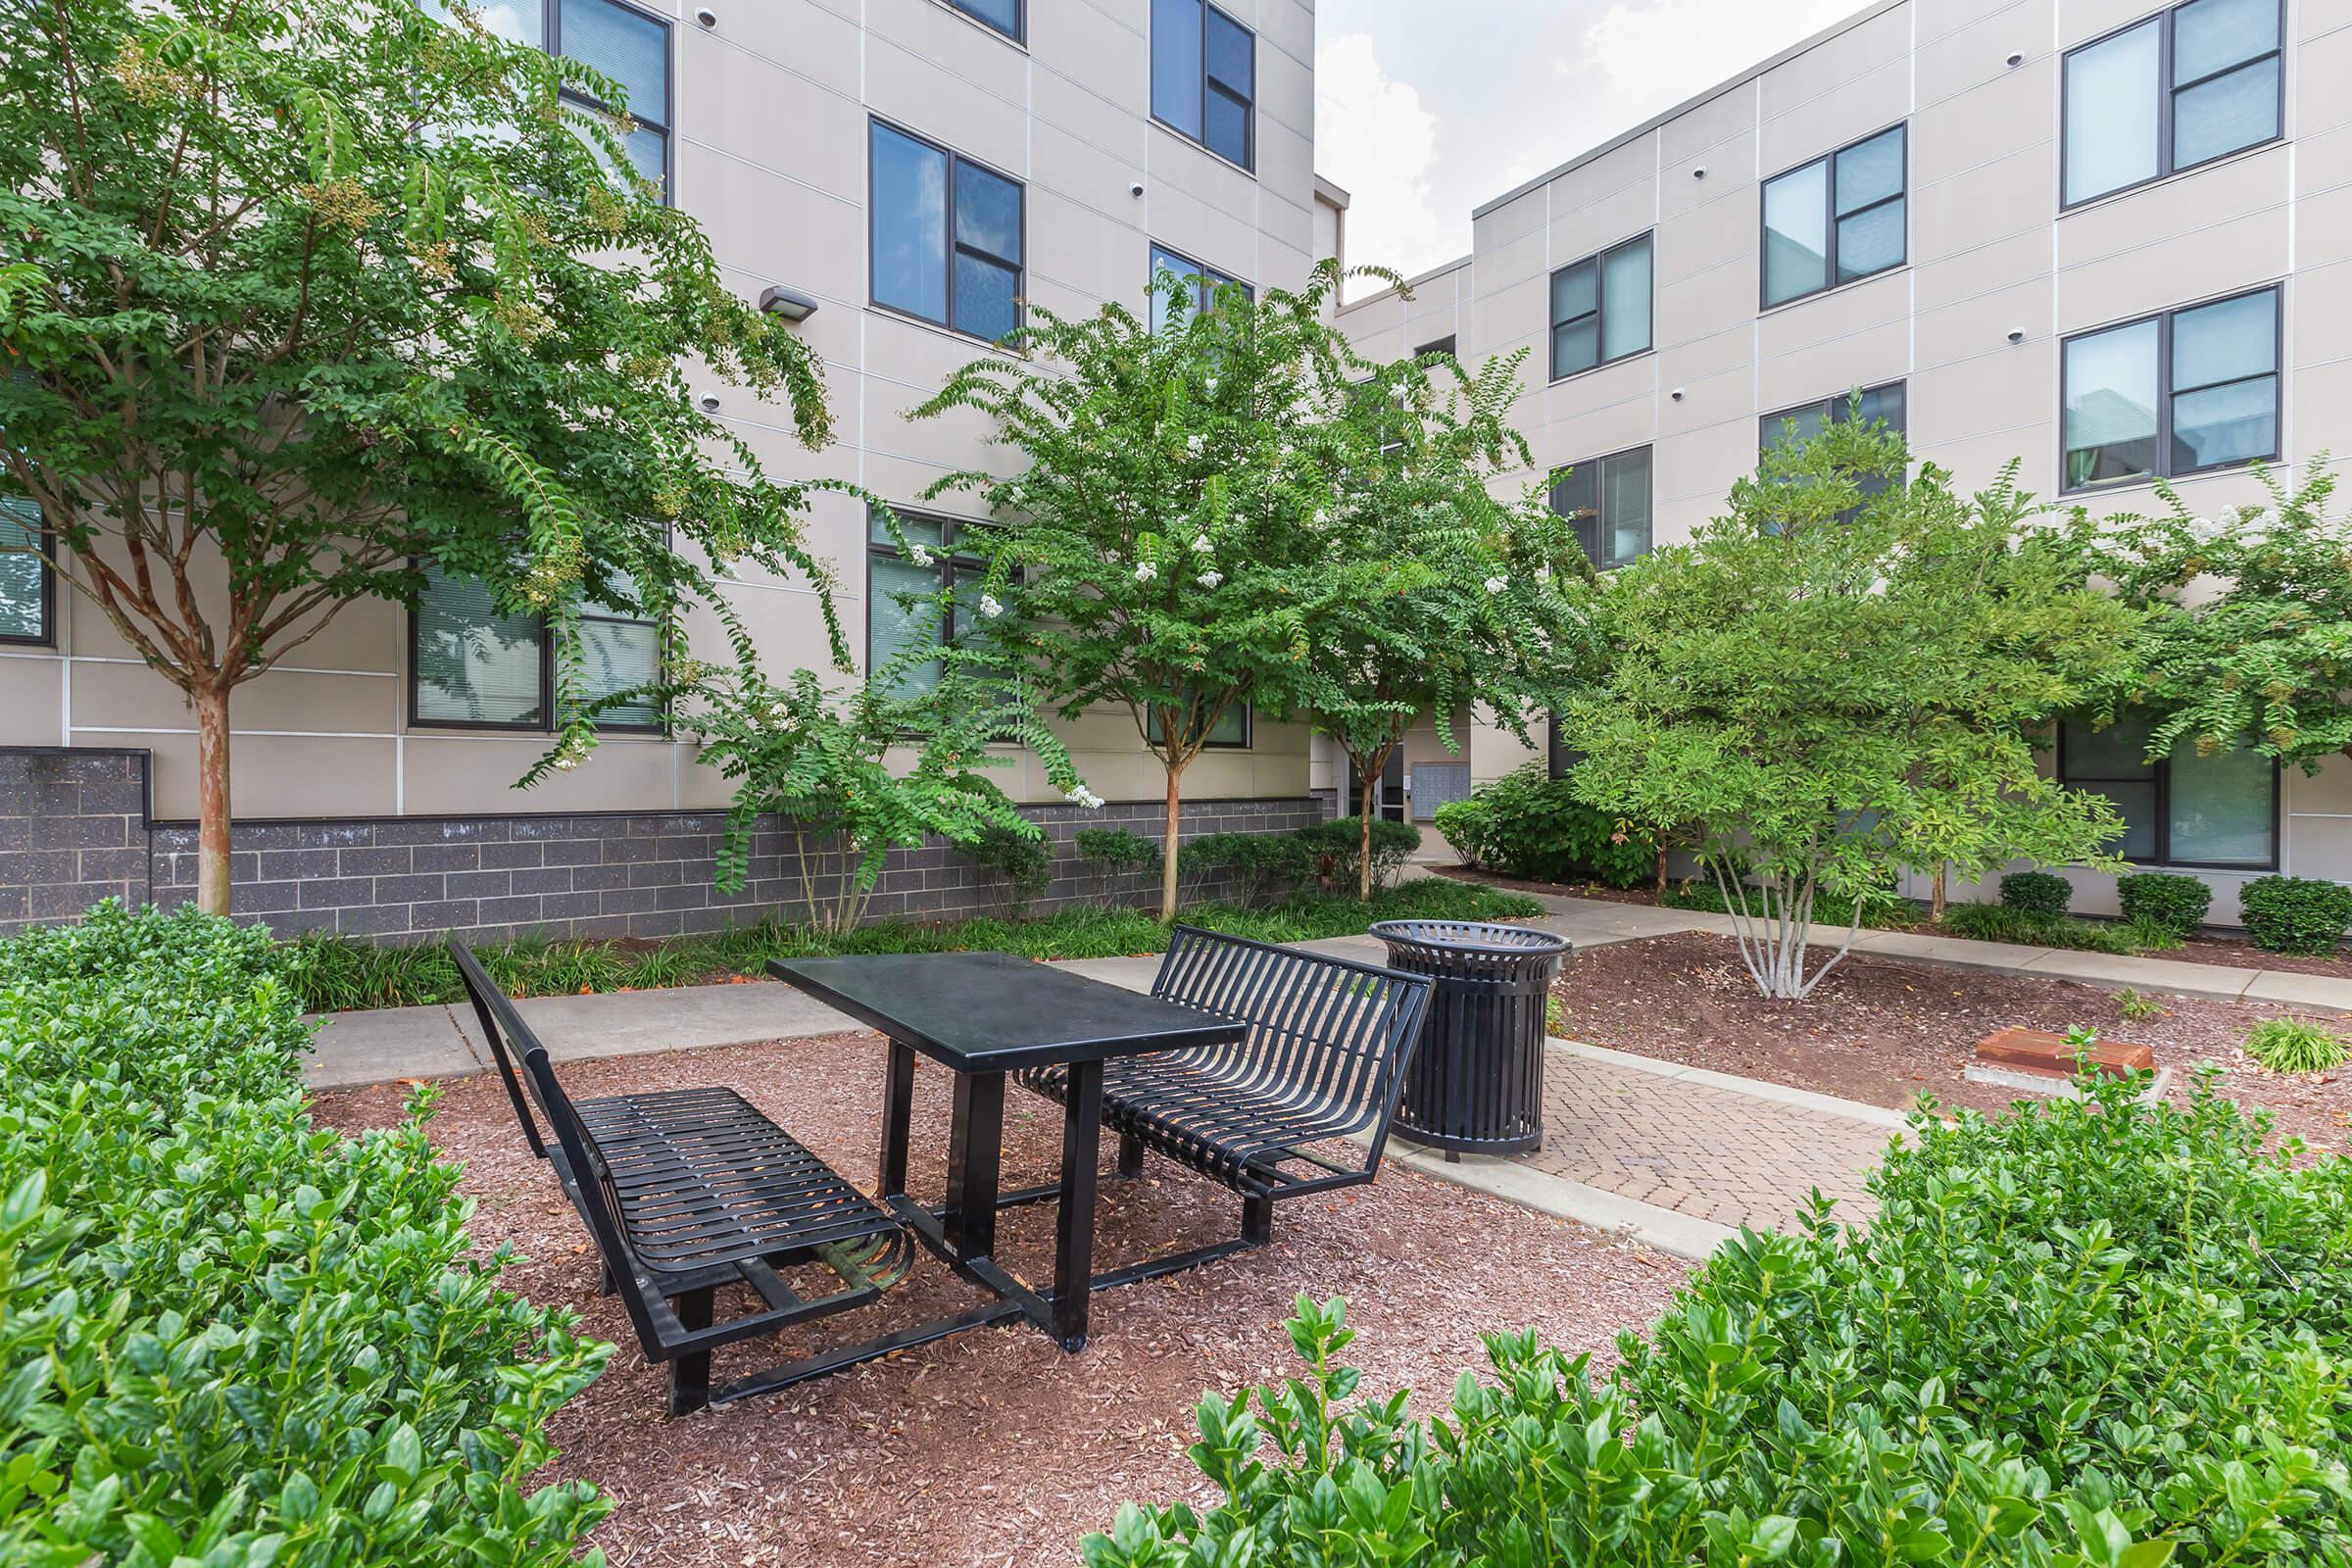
<point>1476,1084</point>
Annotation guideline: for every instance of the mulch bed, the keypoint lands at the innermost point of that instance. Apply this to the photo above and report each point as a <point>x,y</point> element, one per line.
<point>1885,1031</point>
<point>2215,947</point>
<point>993,1447</point>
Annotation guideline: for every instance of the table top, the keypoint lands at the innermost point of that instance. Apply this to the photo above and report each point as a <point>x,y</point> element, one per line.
<point>995,1012</point>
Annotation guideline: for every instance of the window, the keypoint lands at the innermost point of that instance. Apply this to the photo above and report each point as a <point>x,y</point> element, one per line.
<point>1835,219</point>
<point>1231,731</point>
<point>474,664</point>
<point>2184,87</point>
<point>1003,15</point>
<point>901,592</point>
<point>1204,280</point>
<point>946,236</point>
<point>1205,77</point>
<point>1809,419</point>
<point>1444,345</point>
<point>2184,810</point>
<point>612,38</point>
<point>25,584</point>
<point>1608,502</point>
<point>2173,394</point>
<point>1600,308</point>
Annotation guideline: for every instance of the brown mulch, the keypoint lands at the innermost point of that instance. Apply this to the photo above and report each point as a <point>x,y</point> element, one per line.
<point>2214,947</point>
<point>993,1447</point>
<point>1885,1031</point>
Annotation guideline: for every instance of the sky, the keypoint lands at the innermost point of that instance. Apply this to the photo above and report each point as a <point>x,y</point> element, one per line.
<point>1426,110</point>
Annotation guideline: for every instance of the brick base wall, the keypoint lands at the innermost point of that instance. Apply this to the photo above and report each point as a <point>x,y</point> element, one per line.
<point>75,827</point>
<point>646,874</point>
<point>73,830</point>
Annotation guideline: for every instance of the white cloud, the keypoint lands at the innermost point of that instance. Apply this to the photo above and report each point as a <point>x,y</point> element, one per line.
<point>1652,54</point>
<point>1374,138</point>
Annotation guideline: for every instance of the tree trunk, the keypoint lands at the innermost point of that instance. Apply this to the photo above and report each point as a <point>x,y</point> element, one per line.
<point>1661,868</point>
<point>1369,782</point>
<point>1168,857</point>
<point>212,797</point>
<point>1937,903</point>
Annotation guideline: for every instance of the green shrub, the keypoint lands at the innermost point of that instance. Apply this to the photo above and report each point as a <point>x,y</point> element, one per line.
<point>1536,828</point>
<point>1118,850</point>
<point>1022,861</point>
<point>1467,826</point>
<point>2093,1333</point>
<point>2166,899</point>
<point>2036,892</point>
<point>2000,923</point>
<point>2294,1045</point>
<point>1334,848</point>
<point>2296,914</point>
<point>1260,865</point>
<point>227,1336</point>
<point>2132,1005</point>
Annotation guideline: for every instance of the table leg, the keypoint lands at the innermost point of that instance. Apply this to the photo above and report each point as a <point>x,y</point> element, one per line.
<point>975,1145</point>
<point>898,1103</point>
<point>1074,1232</point>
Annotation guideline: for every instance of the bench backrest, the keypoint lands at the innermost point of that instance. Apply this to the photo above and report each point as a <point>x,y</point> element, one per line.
<point>531,1080</point>
<point>1328,1032</point>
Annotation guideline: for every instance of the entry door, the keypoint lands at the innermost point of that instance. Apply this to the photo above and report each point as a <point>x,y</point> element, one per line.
<point>1389,800</point>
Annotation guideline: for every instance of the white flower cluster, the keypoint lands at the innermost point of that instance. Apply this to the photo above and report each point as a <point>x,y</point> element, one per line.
<point>1212,577</point>
<point>1144,572</point>
<point>1080,795</point>
<point>1493,585</point>
<point>1194,443</point>
<point>921,555</point>
<point>989,608</point>
<point>1201,545</point>
<point>572,751</point>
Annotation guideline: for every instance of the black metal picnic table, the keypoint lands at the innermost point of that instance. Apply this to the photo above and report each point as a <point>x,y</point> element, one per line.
<point>983,1016</point>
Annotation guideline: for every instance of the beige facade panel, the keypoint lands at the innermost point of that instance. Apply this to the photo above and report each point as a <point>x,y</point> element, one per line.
<point>33,699</point>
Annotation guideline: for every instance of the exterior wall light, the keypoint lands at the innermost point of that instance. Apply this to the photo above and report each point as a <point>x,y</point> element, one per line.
<point>2016,59</point>
<point>791,304</point>
<point>710,402</point>
<point>706,16</point>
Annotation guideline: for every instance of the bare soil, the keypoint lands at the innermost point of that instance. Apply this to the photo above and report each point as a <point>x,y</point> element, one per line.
<point>993,1447</point>
<point>1885,1032</point>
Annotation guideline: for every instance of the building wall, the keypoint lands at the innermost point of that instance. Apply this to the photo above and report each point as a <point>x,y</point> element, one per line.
<point>1988,254</point>
<point>770,114</point>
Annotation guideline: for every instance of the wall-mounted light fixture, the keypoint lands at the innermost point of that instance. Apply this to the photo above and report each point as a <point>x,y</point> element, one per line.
<point>789,303</point>
<point>2016,59</point>
<point>1698,171</point>
<point>710,402</point>
<point>2017,334</point>
<point>706,16</point>
<point>1676,394</point>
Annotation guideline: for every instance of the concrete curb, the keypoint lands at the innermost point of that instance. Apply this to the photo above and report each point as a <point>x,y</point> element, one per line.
<point>1663,1230</point>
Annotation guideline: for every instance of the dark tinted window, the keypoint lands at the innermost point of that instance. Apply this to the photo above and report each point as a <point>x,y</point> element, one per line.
<point>946,236</point>
<point>1204,77</point>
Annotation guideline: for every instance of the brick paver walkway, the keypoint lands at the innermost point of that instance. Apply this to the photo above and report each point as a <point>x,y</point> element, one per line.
<point>1706,1151</point>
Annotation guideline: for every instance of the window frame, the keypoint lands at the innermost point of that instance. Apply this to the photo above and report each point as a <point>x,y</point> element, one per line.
<point>1248,162</point>
<point>1020,268</point>
<point>1837,404</point>
<point>1021,19</point>
<point>2160,778</point>
<point>2167,19</point>
<point>1648,452</point>
<point>948,557</point>
<point>551,32</point>
<point>1449,345</point>
<point>548,695</point>
<point>1830,218</point>
<point>1249,732</point>
<point>1205,277</point>
<point>1598,262</point>
<point>46,637</point>
<point>2166,391</point>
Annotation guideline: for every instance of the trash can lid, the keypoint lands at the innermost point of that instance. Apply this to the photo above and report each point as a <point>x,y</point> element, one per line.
<point>1471,936</point>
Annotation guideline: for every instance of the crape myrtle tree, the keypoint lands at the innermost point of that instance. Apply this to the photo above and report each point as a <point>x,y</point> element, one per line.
<point>1166,515</point>
<point>1826,686</point>
<point>1439,587</point>
<point>2248,635</point>
<point>297,299</point>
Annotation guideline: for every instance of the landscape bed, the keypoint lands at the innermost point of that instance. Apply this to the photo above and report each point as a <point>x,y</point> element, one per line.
<point>1885,1031</point>
<point>994,1448</point>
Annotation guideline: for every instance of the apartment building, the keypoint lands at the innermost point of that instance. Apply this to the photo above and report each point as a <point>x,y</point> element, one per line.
<point>2107,238</point>
<point>908,177</point>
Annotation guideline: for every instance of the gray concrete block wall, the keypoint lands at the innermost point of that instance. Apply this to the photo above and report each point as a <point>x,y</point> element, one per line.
<point>644,875</point>
<point>74,829</point>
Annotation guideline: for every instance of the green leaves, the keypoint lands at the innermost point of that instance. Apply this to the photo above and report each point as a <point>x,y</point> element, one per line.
<point>2094,1334</point>
<point>226,1335</point>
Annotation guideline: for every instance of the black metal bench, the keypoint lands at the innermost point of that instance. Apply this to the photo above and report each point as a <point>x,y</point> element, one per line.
<point>688,1190</point>
<point>1322,1063</point>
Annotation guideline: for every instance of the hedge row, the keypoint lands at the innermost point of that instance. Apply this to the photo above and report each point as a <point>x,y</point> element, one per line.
<point>2089,1335</point>
<point>226,1335</point>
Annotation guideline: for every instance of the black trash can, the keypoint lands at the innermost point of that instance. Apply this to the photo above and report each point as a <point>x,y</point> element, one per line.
<point>1476,1084</point>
